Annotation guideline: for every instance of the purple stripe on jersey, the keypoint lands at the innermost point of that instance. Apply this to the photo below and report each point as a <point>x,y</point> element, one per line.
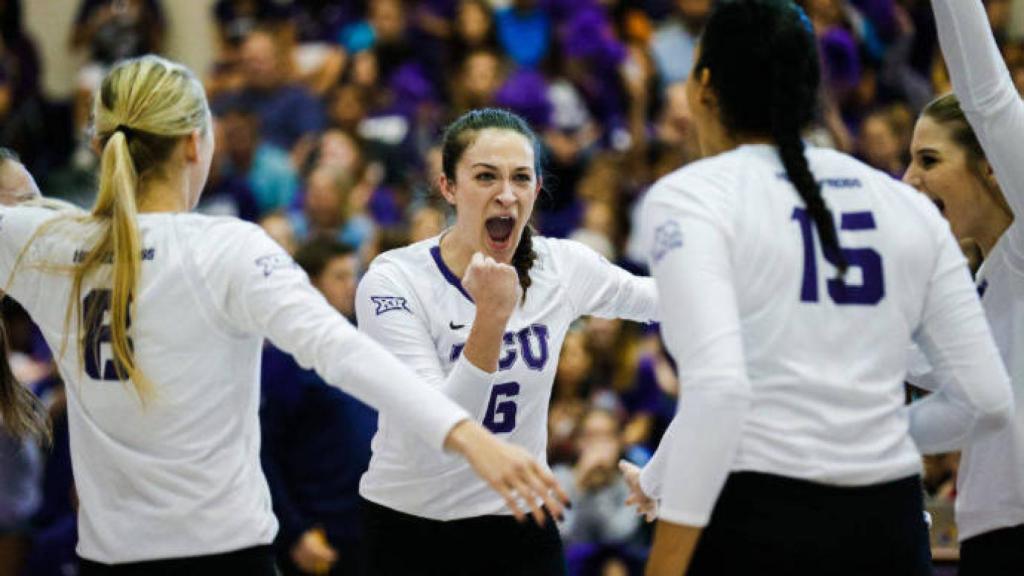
<point>858,221</point>
<point>447,273</point>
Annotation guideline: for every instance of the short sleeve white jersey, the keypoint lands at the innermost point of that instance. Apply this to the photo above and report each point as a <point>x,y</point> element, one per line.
<point>416,307</point>
<point>180,475</point>
<point>820,359</point>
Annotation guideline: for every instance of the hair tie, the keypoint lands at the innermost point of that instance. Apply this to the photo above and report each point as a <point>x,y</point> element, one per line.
<point>128,132</point>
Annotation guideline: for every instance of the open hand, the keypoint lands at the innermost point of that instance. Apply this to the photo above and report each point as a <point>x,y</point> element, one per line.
<point>510,470</point>
<point>645,505</point>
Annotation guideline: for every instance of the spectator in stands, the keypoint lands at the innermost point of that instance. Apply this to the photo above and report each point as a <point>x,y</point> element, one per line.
<point>55,524</point>
<point>20,470</point>
<point>334,206</point>
<point>480,76</point>
<point>474,29</point>
<point>675,40</point>
<point>288,112</point>
<point>885,139</point>
<point>524,32</point>
<point>108,31</point>
<point>599,521</point>
<point>316,439</point>
<point>23,124</point>
<point>265,168</point>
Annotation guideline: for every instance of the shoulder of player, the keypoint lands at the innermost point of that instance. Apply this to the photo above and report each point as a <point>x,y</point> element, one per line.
<point>404,266</point>
<point>708,177</point>
<point>886,187</point>
<point>216,229</point>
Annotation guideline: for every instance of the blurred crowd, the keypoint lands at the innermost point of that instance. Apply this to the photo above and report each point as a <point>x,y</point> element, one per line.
<point>327,118</point>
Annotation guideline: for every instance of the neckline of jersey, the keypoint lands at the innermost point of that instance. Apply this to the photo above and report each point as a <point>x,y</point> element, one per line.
<point>435,252</point>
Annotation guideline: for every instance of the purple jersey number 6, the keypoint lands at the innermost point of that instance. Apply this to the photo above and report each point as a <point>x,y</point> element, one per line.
<point>501,409</point>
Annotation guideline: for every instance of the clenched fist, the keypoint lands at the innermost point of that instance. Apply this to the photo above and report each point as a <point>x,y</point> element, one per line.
<point>493,286</point>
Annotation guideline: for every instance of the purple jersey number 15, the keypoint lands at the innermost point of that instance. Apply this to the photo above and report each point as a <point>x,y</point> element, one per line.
<point>870,291</point>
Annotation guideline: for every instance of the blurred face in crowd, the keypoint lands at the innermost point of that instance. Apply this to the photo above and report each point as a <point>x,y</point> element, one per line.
<point>347,107</point>
<point>365,71</point>
<point>260,63</point>
<point>481,77</point>
<point>940,168</point>
<point>574,363</point>
<point>338,283</point>
<point>493,192</point>
<point>599,428</point>
<point>694,10</point>
<point>426,222</point>
<point>239,137</point>
<point>824,12</point>
<point>473,22</point>
<point>325,202</point>
<point>880,144</point>
<point>388,20</point>
<point>339,149</point>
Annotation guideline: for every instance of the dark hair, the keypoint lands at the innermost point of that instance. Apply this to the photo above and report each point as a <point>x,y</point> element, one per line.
<point>314,255</point>
<point>461,134</point>
<point>777,51</point>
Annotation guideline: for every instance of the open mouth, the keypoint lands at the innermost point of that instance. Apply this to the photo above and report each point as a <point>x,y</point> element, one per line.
<point>939,203</point>
<point>499,228</point>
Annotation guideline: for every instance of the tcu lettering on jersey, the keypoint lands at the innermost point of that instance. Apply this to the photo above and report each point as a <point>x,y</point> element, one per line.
<point>530,344</point>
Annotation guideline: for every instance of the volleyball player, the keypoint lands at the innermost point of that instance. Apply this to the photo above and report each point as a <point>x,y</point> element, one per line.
<point>798,278</point>
<point>480,312</point>
<point>158,316</point>
<point>977,178</point>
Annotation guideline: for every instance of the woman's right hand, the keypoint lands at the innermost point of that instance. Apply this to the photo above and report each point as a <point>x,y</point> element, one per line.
<point>493,286</point>
<point>509,470</point>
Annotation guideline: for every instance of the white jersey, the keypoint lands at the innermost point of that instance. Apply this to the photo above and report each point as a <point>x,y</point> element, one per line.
<point>798,373</point>
<point>416,307</point>
<point>990,482</point>
<point>181,475</point>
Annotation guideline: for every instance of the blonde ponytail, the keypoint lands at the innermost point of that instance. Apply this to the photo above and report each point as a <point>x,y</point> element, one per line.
<point>143,110</point>
<point>119,243</point>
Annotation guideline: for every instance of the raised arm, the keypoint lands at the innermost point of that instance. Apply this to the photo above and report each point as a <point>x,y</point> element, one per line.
<point>973,392</point>
<point>986,93</point>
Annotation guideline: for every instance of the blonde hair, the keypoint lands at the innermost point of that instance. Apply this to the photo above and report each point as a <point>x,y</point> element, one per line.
<point>143,109</point>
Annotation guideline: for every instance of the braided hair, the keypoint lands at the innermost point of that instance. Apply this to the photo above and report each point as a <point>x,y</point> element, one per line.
<point>751,45</point>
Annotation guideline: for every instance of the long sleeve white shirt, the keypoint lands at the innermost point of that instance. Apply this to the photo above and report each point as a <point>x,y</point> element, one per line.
<point>410,302</point>
<point>181,475</point>
<point>990,483</point>
<point>783,368</point>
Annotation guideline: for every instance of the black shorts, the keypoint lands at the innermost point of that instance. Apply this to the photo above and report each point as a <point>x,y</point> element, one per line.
<point>996,553</point>
<point>399,544</point>
<point>772,525</point>
<point>256,561</point>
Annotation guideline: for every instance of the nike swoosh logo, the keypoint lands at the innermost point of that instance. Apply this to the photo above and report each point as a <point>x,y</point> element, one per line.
<point>455,326</point>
